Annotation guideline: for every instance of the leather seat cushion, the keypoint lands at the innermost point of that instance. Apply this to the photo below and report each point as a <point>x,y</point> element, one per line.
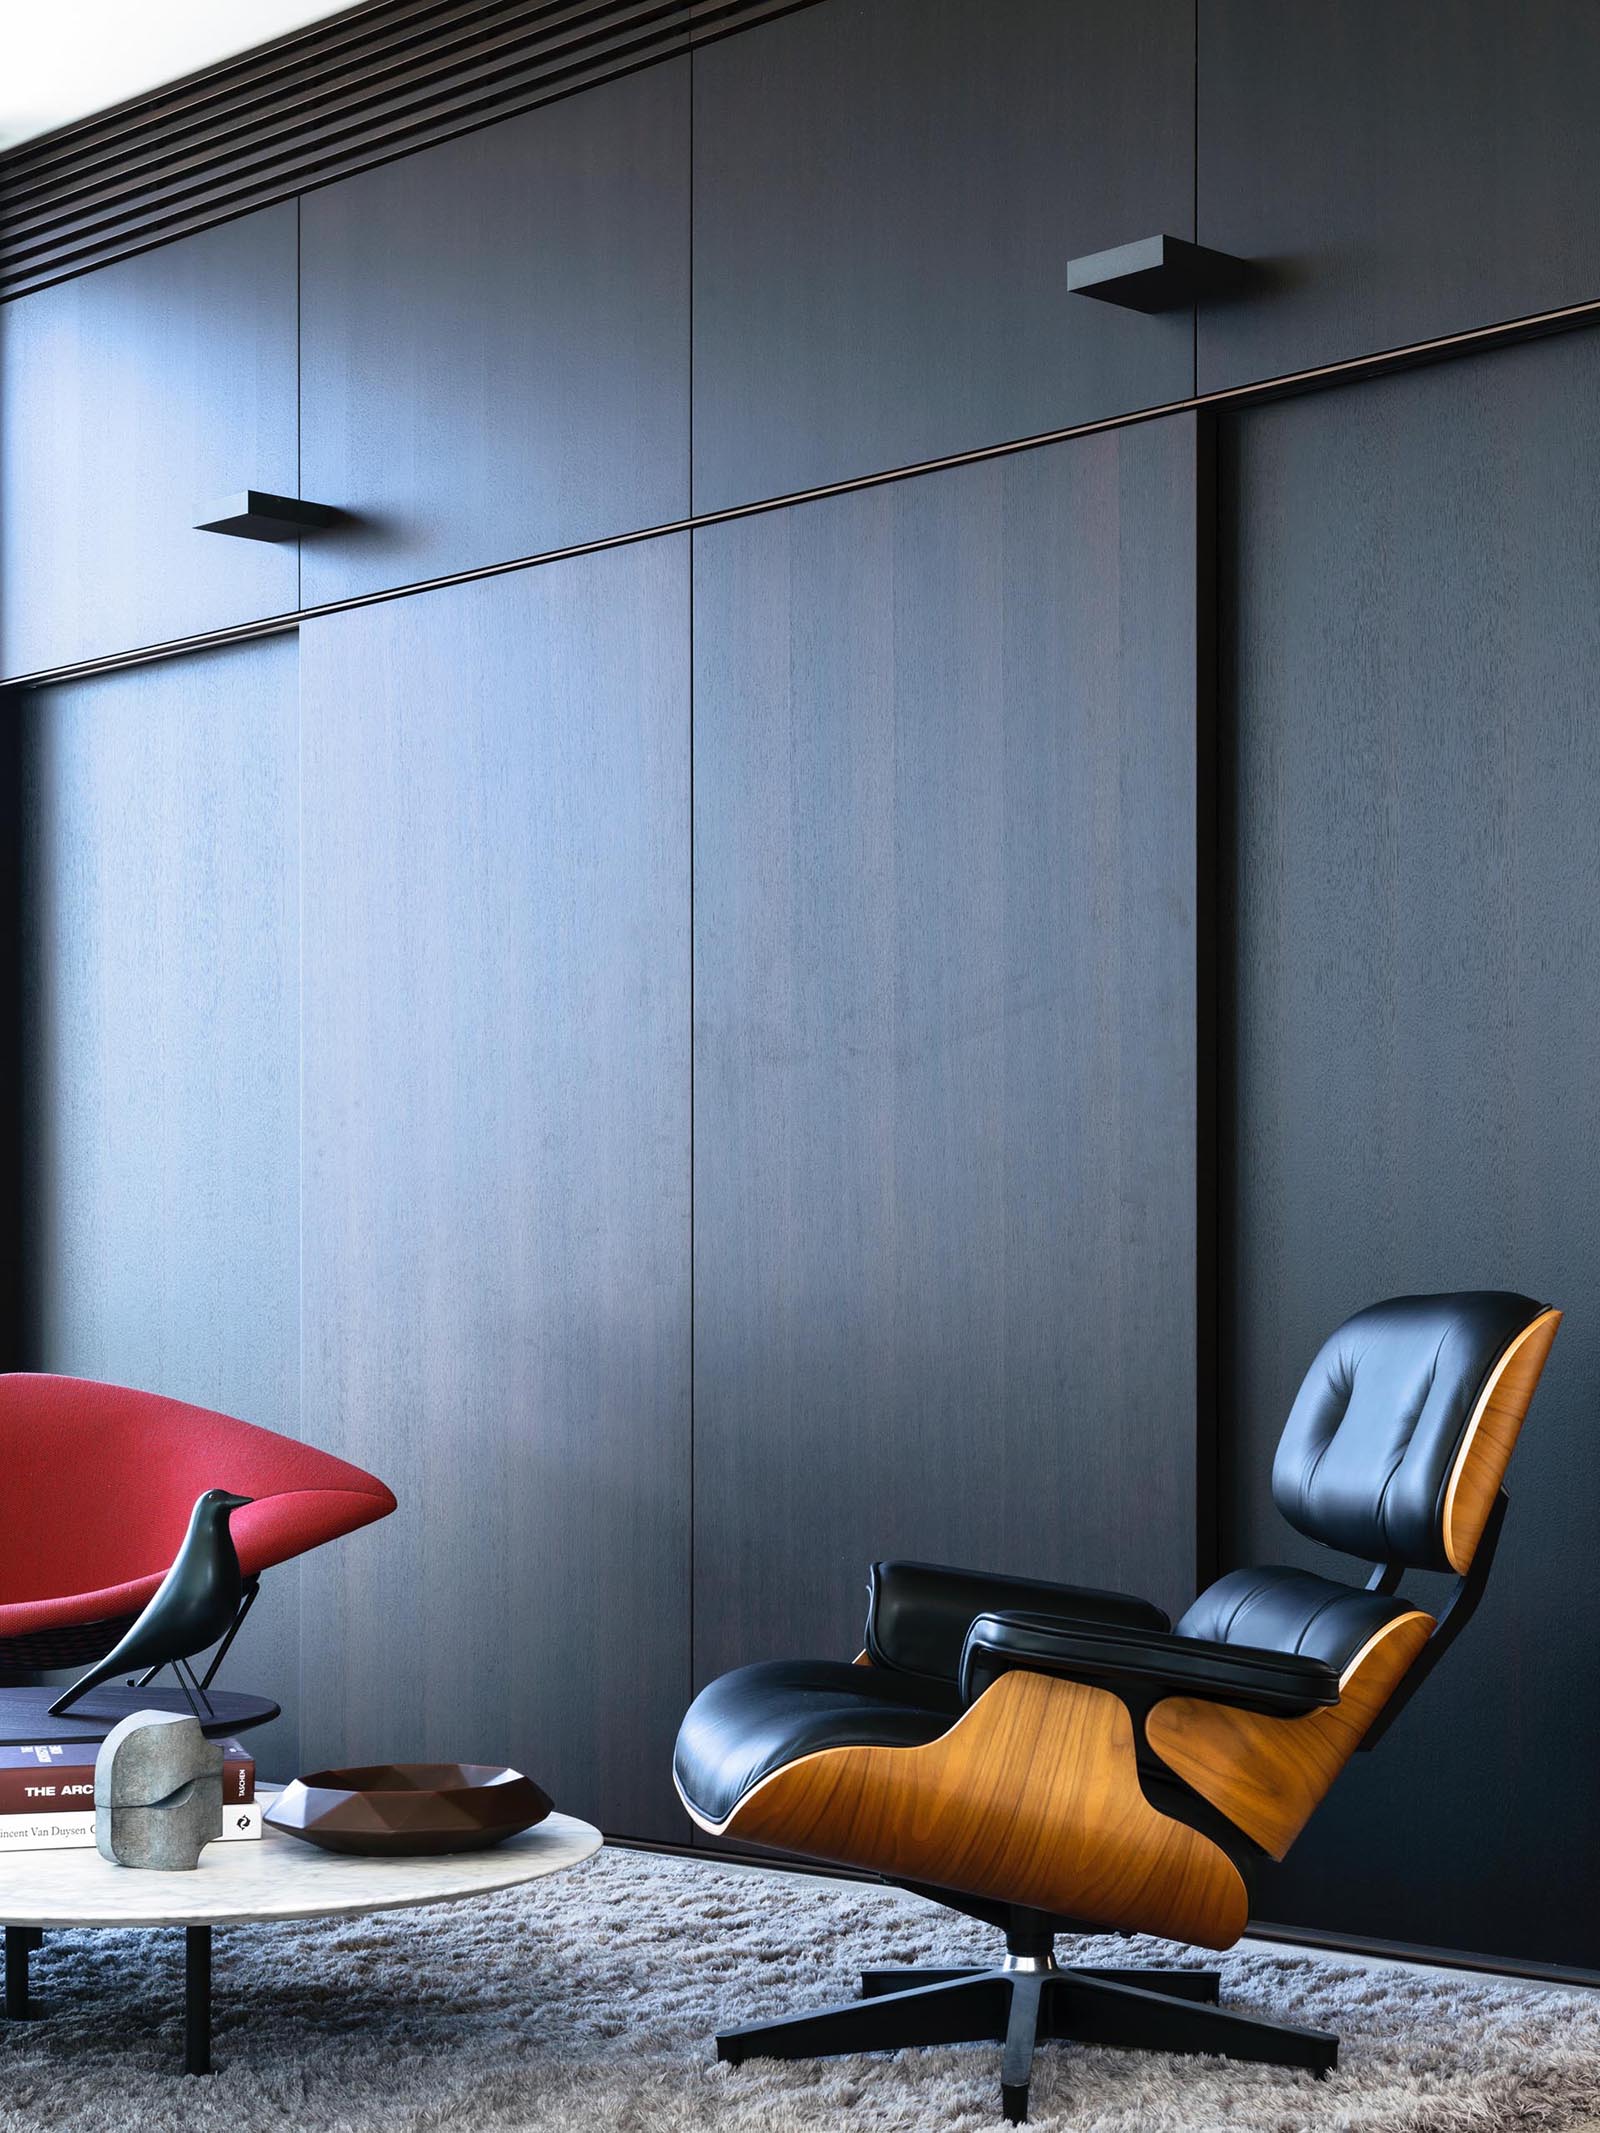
<point>1281,1610</point>
<point>758,1718</point>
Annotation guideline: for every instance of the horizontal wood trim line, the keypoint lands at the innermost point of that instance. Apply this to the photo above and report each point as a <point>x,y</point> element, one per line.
<point>1478,340</point>
<point>332,100</point>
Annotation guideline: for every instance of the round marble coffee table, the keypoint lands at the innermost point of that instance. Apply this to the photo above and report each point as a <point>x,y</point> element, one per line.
<point>248,1884</point>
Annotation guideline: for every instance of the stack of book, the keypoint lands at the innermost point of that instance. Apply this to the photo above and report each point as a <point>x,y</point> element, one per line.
<point>47,1795</point>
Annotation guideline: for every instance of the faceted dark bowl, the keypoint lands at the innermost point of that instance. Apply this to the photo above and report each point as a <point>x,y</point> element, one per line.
<point>409,1809</point>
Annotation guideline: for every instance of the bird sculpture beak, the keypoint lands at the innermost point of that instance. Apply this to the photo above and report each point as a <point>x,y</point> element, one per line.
<point>237,1503</point>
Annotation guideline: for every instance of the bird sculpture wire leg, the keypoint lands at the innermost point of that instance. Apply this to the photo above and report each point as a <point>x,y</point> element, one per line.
<point>221,1652</point>
<point>251,1587</point>
<point>190,1686</point>
<point>189,1683</point>
<point>177,1674</point>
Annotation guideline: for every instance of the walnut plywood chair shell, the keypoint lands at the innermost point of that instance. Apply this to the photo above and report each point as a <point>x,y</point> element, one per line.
<point>1049,1758</point>
<point>1080,1833</point>
<point>1491,1437</point>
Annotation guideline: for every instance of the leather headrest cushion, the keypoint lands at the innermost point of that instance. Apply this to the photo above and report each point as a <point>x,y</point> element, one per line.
<point>1365,1457</point>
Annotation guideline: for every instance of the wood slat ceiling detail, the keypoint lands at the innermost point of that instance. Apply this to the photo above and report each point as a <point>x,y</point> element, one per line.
<point>336,98</point>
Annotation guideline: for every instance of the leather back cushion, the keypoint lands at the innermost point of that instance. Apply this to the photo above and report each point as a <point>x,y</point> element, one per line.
<point>1281,1610</point>
<point>1365,1457</point>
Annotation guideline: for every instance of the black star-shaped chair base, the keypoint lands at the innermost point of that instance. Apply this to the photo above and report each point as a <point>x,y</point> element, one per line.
<point>1028,2000</point>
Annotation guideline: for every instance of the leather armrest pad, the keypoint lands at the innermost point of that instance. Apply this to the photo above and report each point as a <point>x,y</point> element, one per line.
<point>918,1614</point>
<point>1141,1665</point>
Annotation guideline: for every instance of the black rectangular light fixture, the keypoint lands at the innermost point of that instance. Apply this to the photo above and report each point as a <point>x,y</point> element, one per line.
<point>258,515</point>
<point>1156,274</point>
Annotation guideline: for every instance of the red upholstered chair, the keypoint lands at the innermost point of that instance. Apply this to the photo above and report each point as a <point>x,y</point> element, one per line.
<point>96,1486</point>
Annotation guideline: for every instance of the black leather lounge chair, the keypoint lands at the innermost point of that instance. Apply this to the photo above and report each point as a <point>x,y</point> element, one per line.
<point>1052,1759</point>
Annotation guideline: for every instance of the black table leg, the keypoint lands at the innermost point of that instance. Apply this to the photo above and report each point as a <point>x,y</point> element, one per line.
<point>197,2000</point>
<point>20,1944</point>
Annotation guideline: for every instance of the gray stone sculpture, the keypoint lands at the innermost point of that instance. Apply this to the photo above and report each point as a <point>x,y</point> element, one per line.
<point>157,1791</point>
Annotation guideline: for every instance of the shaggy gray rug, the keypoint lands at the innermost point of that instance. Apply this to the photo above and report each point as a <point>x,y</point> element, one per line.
<point>588,2002</point>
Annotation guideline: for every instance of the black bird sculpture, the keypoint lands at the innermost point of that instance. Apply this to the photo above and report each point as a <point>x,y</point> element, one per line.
<point>197,1602</point>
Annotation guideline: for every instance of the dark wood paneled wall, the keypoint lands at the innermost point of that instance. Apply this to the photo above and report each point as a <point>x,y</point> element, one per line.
<point>949,1047</point>
<point>490,336</point>
<point>1412,642</point>
<point>495,341</point>
<point>945,1071</point>
<point>496,1257</point>
<point>130,401</point>
<point>359,88</point>
<point>886,196</point>
<point>160,1042</point>
<point>1394,170</point>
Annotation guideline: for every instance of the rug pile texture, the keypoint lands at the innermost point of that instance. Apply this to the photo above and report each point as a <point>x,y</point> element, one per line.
<point>586,2004</point>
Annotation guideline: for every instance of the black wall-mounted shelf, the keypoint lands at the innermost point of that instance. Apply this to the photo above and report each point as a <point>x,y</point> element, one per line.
<point>1156,274</point>
<point>259,515</point>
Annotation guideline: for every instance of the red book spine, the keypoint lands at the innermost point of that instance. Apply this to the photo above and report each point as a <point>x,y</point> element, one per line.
<point>238,1779</point>
<point>54,1787</point>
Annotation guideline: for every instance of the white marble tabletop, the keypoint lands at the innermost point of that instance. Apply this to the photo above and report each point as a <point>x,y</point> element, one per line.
<point>273,1877</point>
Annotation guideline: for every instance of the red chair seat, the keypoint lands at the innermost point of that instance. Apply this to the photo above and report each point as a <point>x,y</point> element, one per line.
<point>97,1483</point>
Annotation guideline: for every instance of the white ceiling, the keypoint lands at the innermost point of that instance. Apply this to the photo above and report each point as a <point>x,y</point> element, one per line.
<point>62,60</point>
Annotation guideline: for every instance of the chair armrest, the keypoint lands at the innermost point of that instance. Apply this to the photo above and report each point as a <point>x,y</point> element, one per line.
<point>918,1614</point>
<point>1142,1665</point>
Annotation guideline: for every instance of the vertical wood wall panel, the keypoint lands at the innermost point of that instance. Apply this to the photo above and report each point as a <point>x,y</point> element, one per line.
<point>130,402</point>
<point>496,1253</point>
<point>1395,170</point>
<point>945,1124</point>
<point>160,912</point>
<point>1412,641</point>
<point>495,340</point>
<point>886,196</point>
